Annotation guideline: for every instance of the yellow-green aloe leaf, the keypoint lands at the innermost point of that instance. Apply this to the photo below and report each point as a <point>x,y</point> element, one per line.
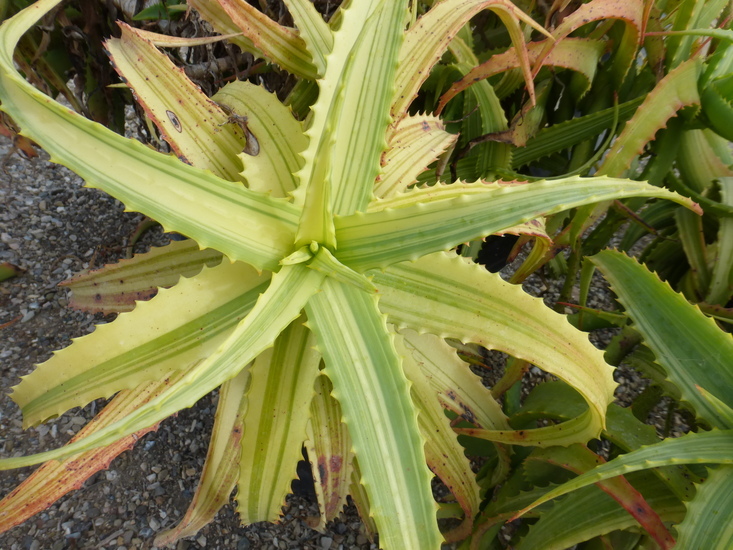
<point>443,216</point>
<point>415,143</point>
<point>314,31</point>
<point>54,479</point>
<point>329,450</point>
<point>428,38</point>
<point>688,344</point>
<point>275,309</point>
<point>714,447</point>
<point>577,54</point>
<point>444,454</point>
<point>281,45</point>
<point>216,213</point>
<point>709,519</point>
<point>279,394</point>
<point>457,388</point>
<point>361,501</point>
<point>178,328</point>
<point>676,90</point>
<point>351,117</point>
<point>115,288</point>
<point>195,127</point>
<point>278,137</point>
<point>589,514</point>
<point>220,468</point>
<point>374,394</point>
<point>444,295</point>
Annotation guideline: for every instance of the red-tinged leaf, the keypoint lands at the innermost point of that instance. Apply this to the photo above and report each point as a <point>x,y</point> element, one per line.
<point>580,459</point>
<point>630,12</point>
<point>577,54</point>
<point>116,287</point>
<point>54,479</point>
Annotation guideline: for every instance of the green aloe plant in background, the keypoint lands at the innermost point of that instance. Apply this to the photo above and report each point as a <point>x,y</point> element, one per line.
<point>316,275</point>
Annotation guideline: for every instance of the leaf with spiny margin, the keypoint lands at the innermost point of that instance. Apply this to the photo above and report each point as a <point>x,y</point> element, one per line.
<point>631,12</point>
<point>566,134</point>
<point>220,468</point>
<point>458,389</point>
<point>167,41</point>
<point>279,137</point>
<point>441,217</point>
<point>444,295</point>
<point>415,143</point>
<point>690,346</point>
<point>374,394</point>
<point>352,112</point>
<point>54,479</point>
<point>589,513</point>
<point>329,450</point>
<point>444,454</point>
<point>115,288</point>
<point>714,447</point>
<point>178,328</point>
<point>577,54</point>
<point>426,41</point>
<point>316,190</point>
<point>182,198</point>
<point>721,282</point>
<point>579,459</point>
<point>557,401</point>
<point>194,126</point>
<point>676,90</point>
<point>275,309</point>
<point>281,45</point>
<point>279,391</point>
<point>314,31</point>
<point>709,519</point>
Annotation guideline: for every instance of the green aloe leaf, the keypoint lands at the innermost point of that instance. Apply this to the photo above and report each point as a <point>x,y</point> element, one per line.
<point>374,394</point>
<point>709,519</point>
<point>441,217</point>
<point>689,345</point>
<point>714,447</point>
<point>436,292</point>
<point>589,513</point>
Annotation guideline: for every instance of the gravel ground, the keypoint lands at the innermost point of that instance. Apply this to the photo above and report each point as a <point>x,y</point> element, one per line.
<point>53,227</point>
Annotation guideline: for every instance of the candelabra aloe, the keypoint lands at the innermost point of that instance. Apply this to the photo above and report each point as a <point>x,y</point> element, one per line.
<point>334,292</point>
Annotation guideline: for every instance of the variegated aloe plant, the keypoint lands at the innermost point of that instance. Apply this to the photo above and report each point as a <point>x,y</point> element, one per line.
<point>334,293</point>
